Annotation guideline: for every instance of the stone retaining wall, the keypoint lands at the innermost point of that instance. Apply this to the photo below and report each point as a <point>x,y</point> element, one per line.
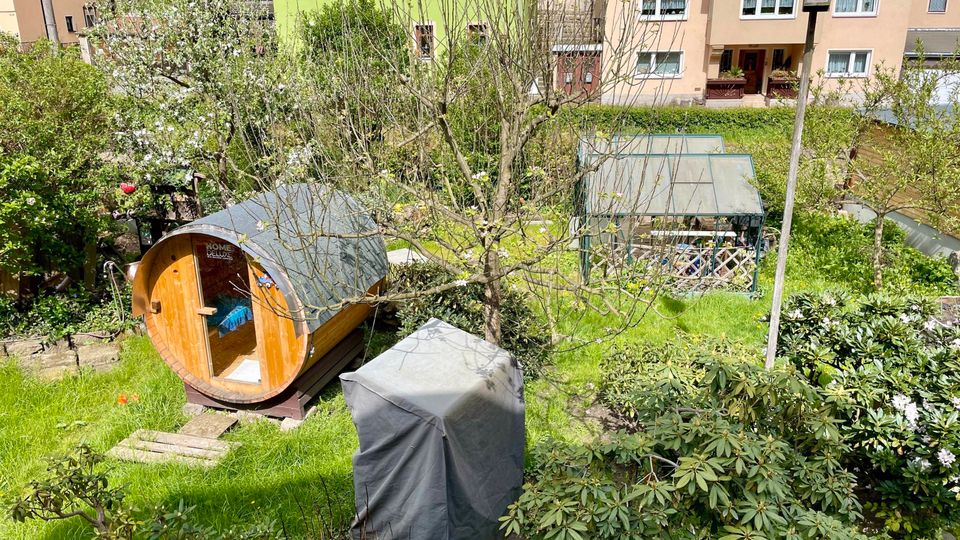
<point>54,359</point>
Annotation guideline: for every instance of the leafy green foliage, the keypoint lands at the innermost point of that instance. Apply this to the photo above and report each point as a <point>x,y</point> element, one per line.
<point>899,368</point>
<point>828,139</point>
<point>717,447</point>
<point>839,248</point>
<point>687,119</point>
<point>524,334</point>
<point>56,114</point>
<point>56,315</point>
<point>75,487</point>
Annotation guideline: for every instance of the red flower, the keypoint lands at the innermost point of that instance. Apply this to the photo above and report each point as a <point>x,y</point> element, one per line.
<point>127,187</point>
<point>122,399</point>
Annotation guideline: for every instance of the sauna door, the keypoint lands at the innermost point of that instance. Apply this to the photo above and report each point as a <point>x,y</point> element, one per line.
<point>173,302</point>
<point>226,307</point>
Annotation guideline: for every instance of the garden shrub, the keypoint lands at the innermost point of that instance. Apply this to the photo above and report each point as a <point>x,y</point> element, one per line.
<point>838,249</point>
<point>56,315</point>
<point>686,119</point>
<point>855,431</point>
<point>716,447</point>
<point>524,334</point>
<point>77,486</point>
<point>899,367</point>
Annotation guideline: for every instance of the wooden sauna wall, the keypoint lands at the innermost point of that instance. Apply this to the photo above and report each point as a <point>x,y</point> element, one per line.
<point>280,350</point>
<point>176,329</point>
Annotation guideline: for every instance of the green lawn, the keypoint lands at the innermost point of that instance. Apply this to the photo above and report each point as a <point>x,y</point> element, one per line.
<point>268,477</point>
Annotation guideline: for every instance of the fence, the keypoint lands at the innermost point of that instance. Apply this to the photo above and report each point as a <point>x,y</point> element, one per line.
<point>702,268</point>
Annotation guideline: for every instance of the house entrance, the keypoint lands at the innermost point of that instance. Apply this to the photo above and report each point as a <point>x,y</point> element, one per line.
<point>751,62</point>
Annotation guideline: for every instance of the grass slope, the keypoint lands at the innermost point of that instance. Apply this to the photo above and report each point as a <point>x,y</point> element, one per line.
<point>267,478</point>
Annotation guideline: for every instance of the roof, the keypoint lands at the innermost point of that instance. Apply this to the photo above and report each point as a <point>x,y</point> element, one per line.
<point>429,372</point>
<point>671,184</point>
<point>887,116</point>
<point>318,244</point>
<point>937,42</point>
<point>654,144</point>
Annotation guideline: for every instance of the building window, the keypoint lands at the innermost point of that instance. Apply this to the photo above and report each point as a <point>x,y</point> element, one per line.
<point>726,60</point>
<point>937,6</point>
<point>848,63</point>
<point>477,32</point>
<point>855,7</point>
<point>90,17</point>
<point>423,34</point>
<point>780,60</point>
<point>69,21</point>
<point>767,8</point>
<point>659,64</point>
<point>664,9</point>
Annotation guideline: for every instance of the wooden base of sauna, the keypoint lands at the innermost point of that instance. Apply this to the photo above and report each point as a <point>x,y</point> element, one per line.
<point>292,402</point>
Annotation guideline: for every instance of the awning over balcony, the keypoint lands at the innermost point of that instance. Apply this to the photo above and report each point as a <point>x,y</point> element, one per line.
<point>937,43</point>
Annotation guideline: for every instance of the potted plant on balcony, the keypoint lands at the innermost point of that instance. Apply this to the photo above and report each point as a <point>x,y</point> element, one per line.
<point>729,85</point>
<point>782,84</point>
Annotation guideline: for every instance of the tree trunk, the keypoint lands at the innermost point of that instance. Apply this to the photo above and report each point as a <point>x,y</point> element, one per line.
<point>878,251</point>
<point>492,315</point>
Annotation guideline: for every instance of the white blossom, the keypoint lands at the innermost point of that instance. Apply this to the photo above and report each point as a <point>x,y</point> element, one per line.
<point>955,401</point>
<point>907,408</point>
<point>795,314</point>
<point>460,283</point>
<point>946,457</point>
<point>930,325</point>
<point>31,201</point>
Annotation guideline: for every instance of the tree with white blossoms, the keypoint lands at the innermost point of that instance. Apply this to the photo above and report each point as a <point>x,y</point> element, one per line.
<point>193,75</point>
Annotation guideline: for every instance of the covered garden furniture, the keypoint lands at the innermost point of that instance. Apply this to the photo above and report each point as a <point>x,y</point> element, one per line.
<point>440,418</point>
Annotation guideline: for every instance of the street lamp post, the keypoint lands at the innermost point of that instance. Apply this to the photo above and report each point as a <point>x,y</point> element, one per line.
<point>812,8</point>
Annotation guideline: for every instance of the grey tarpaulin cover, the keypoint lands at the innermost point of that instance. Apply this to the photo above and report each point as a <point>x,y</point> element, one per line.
<point>441,423</point>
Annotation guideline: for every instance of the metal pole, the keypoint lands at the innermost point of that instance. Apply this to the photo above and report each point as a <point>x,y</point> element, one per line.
<point>50,22</point>
<point>791,192</point>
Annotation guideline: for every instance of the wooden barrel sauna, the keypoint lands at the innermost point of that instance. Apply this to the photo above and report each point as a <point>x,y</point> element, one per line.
<point>244,301</point>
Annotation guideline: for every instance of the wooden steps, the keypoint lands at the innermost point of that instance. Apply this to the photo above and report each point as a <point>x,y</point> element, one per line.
<point>195,444</point>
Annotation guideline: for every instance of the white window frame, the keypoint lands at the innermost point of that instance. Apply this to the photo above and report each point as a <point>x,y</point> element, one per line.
<point>850,61</point>
<point>761,16</point>
<point>659,16</point>
<point>653,66</point>
<point>859,12</point>
<point>946,6</point>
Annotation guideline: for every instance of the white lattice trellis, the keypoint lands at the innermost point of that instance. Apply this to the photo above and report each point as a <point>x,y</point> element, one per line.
<point>702,268</point>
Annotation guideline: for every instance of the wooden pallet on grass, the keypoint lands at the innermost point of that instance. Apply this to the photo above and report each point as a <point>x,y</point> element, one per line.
<point>196,444</point>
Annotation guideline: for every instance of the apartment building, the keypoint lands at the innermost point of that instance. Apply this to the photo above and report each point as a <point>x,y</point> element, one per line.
<point>731,52</point>
<point>24,19</point>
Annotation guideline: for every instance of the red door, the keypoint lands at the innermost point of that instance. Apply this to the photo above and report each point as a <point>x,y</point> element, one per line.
<point>751,62</point>
<point>578,72</point>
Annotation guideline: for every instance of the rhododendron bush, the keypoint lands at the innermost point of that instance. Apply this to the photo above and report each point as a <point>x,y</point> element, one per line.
<point>854,432</point>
